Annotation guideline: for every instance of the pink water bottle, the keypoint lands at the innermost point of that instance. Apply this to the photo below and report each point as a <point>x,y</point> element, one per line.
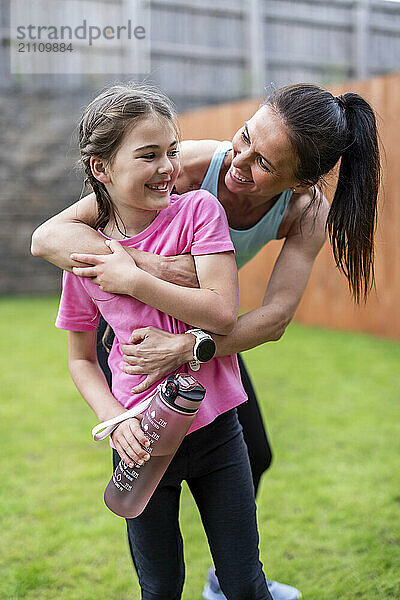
<point>166,421</point>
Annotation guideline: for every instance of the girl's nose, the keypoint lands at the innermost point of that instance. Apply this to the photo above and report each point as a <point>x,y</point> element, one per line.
<point>166,166</point>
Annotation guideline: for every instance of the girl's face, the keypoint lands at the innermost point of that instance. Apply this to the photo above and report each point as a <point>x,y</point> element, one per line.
<point>262,158</point>
<point>146,166</point>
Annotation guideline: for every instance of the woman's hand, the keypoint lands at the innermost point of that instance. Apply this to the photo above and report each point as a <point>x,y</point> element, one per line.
<point>130,441</point>
<point>116,273</point>
<point>155,353</point>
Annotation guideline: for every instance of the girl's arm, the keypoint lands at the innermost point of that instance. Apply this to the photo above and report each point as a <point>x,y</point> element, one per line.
<point>72,231</point>
<point>91,383</point>
<point>213,307</point>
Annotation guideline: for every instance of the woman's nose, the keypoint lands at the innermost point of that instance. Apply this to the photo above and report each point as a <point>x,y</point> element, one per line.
<point>241,151</point>
<point>242,158</point>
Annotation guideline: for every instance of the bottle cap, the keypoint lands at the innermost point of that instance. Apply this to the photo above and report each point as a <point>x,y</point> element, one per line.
<point>183,392</point>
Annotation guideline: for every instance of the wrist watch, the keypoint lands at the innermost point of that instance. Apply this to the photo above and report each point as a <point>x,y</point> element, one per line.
<point>204,348</point>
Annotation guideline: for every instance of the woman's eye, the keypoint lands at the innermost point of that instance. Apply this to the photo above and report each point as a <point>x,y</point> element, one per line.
<point>149,156</point>
<point>173,153</point>
<point>263,165</point>
<point>245,137</point>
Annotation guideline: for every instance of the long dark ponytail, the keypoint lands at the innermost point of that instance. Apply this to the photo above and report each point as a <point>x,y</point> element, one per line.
<point>352,217</point>
<point>323,129</point>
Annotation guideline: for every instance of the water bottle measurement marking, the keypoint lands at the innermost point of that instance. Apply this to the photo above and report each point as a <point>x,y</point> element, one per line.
<point>117,484</point>
<point>132,484</point>
<point>154,423</point>
<point>128,473</point>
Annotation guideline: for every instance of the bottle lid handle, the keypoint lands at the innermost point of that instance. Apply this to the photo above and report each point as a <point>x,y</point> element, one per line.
<point>104,429</point>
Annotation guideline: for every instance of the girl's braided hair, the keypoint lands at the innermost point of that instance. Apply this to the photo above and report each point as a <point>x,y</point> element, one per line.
<point>102,128</point>
<point>104,124</point>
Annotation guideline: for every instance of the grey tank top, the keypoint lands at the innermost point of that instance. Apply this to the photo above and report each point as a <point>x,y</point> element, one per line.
<point>247,242</point>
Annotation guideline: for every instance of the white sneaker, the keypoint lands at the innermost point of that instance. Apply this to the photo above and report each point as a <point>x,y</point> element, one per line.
<point>278,591</point>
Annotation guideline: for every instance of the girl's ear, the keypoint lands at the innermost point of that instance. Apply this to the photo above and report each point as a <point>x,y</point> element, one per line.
<point>98,168</point>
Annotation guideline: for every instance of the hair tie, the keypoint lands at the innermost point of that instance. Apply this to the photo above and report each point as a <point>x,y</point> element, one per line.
<point>341,101</point>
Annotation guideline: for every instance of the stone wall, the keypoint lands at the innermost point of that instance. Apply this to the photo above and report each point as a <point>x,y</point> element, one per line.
<point>37,158</point>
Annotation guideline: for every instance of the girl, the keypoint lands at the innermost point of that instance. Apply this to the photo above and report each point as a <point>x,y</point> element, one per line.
<point>128,144</point>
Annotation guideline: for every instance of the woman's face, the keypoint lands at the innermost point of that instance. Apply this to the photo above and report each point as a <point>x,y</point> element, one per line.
<point>263,161</point>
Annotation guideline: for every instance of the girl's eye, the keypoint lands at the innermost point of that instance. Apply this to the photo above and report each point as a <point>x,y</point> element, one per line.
<point>245,137</point>
<point>152,155</point>
<point>263,165</point>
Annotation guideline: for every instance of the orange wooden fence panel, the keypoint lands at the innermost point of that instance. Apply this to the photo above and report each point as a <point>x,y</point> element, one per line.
<point>327,301</point>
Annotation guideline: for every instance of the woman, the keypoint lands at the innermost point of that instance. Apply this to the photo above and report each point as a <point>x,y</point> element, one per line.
<point>266,181</point>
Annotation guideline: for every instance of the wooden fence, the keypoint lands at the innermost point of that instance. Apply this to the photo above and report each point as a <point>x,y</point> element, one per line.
<point>209,51</point>
<point>326,301</point>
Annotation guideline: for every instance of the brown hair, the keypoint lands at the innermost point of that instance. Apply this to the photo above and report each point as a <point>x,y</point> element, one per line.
<point>104,124</point>
<point>322,129</point>
<point>102,128</point>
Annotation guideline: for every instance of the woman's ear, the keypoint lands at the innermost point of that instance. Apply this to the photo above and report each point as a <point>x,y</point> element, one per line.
<point>98,168</point>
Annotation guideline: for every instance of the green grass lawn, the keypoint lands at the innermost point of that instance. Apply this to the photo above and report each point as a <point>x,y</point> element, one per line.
<point>328,509</point>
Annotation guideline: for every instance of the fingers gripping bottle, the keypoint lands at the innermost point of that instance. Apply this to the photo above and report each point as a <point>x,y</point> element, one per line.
<point>171,411</point>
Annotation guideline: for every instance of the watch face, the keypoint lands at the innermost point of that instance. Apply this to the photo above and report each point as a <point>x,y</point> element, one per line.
<point>205,350</point>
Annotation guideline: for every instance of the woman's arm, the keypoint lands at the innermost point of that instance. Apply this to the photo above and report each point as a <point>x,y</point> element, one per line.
<point>214,306</point>
<point>285,289</point>
<point>284,292</point>
<point>85,371</point>
<point>286,285</point>
<point>71,231</point>
<point>67,232</point>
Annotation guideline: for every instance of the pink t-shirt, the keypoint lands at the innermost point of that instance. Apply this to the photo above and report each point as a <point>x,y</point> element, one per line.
<point>193,223</point>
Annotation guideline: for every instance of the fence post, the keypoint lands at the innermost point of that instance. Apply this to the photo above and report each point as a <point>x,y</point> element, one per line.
<point>256,49</point>
<point>361,33</point>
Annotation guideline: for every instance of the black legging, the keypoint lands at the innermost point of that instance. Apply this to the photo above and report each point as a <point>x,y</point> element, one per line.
<point>254,432</point>
<point>249,414</point>
<point>214,462</point>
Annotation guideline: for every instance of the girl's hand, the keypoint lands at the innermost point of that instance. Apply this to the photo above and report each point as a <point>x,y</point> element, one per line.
<point>130,441</point>
<point>116,273</point>
<point>157,354</point>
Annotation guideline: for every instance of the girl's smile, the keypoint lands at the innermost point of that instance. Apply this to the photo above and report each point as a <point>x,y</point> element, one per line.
<point>161,188</point>
<point>142,174</point>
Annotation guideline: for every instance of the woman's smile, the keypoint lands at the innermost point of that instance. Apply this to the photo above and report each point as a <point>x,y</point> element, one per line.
<point>238,177</point>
